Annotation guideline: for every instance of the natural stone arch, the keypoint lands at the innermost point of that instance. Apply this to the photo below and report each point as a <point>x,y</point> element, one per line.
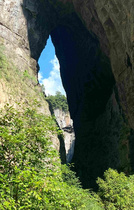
<point>107,25</point>
<point>84,48</point>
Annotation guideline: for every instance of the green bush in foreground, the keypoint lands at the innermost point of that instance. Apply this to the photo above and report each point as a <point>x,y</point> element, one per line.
<point>116,190</point>
<point>31,175</point>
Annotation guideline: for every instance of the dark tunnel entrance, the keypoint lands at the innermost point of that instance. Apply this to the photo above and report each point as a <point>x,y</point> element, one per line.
<point>85,70</point>
<point>89,84</point>
<point>88,81</point>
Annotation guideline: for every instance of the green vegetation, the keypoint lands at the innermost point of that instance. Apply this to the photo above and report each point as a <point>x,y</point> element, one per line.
<point>32,177</point>
<point>116,190</point>
<point>31,173</point>
<point>26,75</point>
<point>58,101</point>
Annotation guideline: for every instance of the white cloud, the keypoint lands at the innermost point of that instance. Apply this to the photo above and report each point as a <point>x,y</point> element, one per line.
<point>55,63</point>
<point>53,82</point>
<point>40,77</point>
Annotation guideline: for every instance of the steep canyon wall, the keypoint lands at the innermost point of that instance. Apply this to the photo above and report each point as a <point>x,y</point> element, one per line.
<point>94,42</point>
<point>66,125</point>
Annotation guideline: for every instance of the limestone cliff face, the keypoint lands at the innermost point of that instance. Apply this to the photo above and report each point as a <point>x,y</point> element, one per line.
<point>94,41</point>
<point>66,124</point>
<point>18,71</point>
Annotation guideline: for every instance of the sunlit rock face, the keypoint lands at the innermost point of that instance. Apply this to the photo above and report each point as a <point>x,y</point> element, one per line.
<point>66,125</point>
<point>94,42</point>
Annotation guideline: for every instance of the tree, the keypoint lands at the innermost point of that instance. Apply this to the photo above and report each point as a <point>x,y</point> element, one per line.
<point>58,101</point>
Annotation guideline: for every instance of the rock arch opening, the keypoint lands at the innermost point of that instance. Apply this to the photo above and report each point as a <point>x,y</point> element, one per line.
<point>50,80</point>
<point>88,81</point>
<point>49,70</point>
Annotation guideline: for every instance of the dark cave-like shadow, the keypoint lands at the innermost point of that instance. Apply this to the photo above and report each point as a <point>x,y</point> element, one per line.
<point>89,82</point>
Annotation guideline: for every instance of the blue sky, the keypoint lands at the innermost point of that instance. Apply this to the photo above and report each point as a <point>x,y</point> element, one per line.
<point>49,74</point>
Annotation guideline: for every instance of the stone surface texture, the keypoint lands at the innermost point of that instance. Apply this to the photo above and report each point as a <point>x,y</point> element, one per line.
<point>66,124</point>
<point>18,73</point>
<point>94,42</point>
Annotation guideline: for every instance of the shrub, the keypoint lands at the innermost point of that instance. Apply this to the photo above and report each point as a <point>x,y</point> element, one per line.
<point>30,169</point>
<point>116,190</point>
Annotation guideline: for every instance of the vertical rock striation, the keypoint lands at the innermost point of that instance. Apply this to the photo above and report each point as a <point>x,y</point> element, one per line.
<point>66,124</point>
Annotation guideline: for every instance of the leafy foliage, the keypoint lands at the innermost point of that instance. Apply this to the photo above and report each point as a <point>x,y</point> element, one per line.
<point>58,101</point>
<point>31,173</point>
<point>26,75</point>
<point>32,177</point>
<point>116,190</point>
<point>69,176</point>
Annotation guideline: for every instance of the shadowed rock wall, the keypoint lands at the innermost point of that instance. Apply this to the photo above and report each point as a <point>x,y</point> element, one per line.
<point>94,41</point>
